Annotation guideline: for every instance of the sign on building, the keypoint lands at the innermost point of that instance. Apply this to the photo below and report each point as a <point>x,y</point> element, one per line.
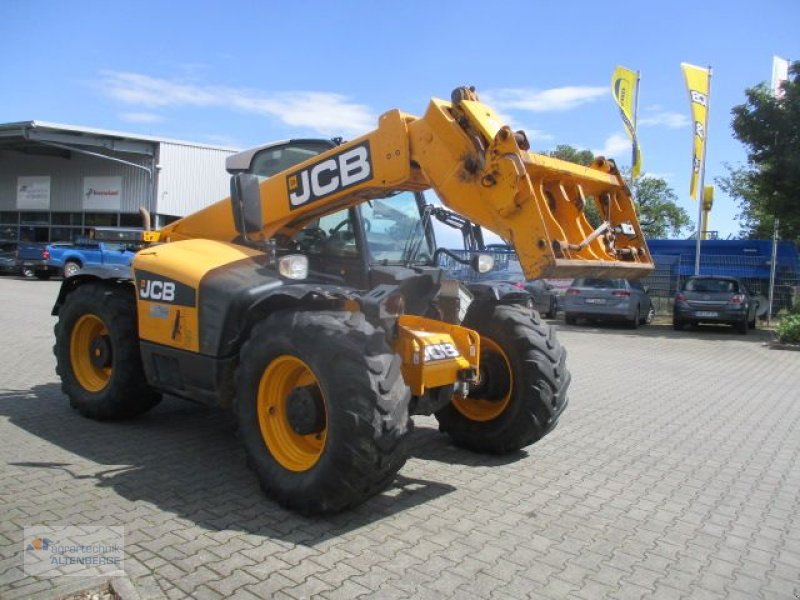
<point>33,192</point>
<point>102,193</point>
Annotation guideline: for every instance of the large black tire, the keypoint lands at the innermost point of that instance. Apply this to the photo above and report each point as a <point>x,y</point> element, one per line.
<point>359,391</point>
<point>538,385</point>
<point>105,316</point>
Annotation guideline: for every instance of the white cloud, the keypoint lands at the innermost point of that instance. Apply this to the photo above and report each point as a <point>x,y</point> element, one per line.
<point>327,113</point>
<point>664,119</point>
<point>617,146</point>
<point>141,117</point>
<point>555,99</point>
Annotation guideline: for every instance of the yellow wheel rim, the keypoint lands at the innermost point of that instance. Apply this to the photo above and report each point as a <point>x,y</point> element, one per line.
<point>476,408</point>
<point>90,353</point>
<point>292,450</point>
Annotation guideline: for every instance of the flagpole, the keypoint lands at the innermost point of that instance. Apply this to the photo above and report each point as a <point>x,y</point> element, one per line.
<point>635,119</point>
<point>699,235</point>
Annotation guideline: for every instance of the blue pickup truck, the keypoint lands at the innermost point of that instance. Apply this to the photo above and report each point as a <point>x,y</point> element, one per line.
<point>31,260</point>
<point>68,259</point>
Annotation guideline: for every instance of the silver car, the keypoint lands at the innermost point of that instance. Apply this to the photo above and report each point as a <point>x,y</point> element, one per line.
<point>608,300</point>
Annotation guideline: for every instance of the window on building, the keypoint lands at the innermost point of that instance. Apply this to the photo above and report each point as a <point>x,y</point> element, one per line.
<point>34,218</point>
<point>130,220</point>
<point>74,218</point>
<point>101,219</point>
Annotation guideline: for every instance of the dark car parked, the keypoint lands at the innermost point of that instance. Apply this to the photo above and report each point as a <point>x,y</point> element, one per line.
<point>8,258</point>
<point>715,299</point>
<point>608,300</point>
<point>513,288</point>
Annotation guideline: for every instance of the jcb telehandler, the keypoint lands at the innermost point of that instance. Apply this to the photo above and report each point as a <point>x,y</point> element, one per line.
<point>311,301</point>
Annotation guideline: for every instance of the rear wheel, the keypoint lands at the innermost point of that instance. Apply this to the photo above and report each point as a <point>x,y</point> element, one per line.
<point>71,268</point>
<point>553,309</point>
<point>570,319</point>
<point>637,318</point>
<point>97,353</point>
<point>28,272</point>
<point>522,388</point>
<point>649,316</point>
<point>677,324</point>
<point>742,326</point>
<point>322,409</point>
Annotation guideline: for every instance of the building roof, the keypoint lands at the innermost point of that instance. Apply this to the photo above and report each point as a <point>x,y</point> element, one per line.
<point>21,132</point>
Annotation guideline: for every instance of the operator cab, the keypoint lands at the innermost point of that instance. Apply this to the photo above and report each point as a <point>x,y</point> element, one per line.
<point>347,246</point>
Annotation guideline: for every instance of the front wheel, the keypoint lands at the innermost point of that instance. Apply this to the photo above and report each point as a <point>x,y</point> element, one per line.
<point>522,386</point>
<point>322,409</point>
<point>97,353</point>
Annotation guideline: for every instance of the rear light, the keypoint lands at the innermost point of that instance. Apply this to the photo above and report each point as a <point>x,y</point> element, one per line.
<point>737,299</point>
<point>621,293</point>
<point>517,284</point>
<point>573,292</point>
<point>680,298</point>
<point>46,254</point>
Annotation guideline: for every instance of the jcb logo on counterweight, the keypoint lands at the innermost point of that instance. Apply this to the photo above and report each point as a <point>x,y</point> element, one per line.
<point>440,352</point>
<point>338,172</point>
<point>157,288</point>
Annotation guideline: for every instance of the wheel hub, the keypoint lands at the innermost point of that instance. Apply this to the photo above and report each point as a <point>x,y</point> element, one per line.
<point>493,383</point>
<point>100,352</point>
<point>305,410</point>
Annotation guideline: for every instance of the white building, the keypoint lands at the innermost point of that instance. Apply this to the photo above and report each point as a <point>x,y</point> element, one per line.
<point>57,181</point>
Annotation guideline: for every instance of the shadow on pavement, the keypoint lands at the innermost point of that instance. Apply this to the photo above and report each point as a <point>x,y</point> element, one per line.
<point>701,332</point>
<point>185,459</point>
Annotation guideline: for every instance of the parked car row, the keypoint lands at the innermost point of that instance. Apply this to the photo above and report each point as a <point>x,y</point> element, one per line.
<point>42,261</point>
<point>701,299</point>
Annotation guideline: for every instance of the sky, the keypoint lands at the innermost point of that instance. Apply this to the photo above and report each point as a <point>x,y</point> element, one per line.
<point>238,74</point>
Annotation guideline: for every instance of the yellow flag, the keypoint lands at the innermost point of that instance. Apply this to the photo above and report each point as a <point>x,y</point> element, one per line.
<point>698,82</point>
<point>624,87</point>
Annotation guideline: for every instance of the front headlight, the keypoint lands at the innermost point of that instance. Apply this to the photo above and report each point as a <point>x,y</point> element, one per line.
<point>483,263</point>
<point>293,266</point>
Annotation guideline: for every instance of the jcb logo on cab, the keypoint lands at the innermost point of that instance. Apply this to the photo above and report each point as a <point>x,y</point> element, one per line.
<point>336,173</point>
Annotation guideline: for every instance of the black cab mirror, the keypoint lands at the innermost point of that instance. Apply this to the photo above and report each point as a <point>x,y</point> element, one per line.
<point>246,203</point>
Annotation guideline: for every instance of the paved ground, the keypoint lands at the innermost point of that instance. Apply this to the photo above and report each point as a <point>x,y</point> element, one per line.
<point>674,473</point>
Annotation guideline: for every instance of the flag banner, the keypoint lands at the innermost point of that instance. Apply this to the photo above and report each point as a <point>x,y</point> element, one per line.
<point>697,83</point>
<point>624,84</point>
<point>708,197</point>
<point>780,73</point>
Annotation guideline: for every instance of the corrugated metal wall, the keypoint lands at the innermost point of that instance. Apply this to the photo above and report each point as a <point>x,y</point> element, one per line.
<point>190,178</point>
<point>66,179</point>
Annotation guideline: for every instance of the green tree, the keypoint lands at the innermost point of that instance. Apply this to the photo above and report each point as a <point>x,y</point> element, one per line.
<point>659,214</point>
<point>768,186</point>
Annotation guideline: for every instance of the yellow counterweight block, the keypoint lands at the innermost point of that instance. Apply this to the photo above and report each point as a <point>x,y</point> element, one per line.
<point>435,353</point>
<point>168,277</point>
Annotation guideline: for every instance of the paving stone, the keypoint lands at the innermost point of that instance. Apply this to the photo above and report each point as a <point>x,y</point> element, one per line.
<point>655,484</point>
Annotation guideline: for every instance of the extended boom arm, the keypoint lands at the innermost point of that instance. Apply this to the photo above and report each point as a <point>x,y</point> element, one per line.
<point>480,169</point>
